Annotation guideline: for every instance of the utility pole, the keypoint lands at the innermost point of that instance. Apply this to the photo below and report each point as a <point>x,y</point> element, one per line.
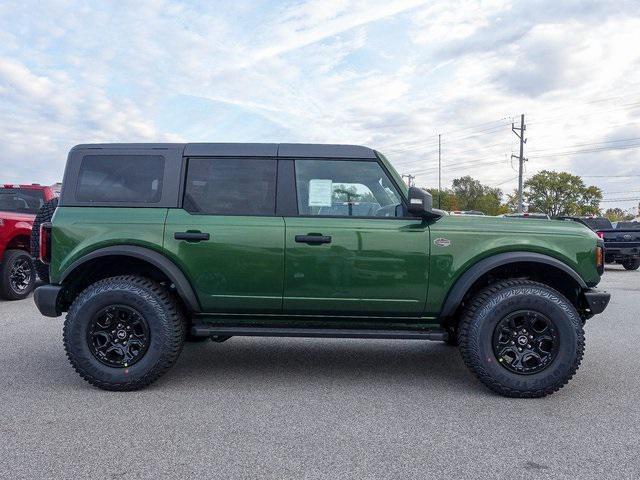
<point>520,158</point>
<point>409,178</point>
<point>439,172</point>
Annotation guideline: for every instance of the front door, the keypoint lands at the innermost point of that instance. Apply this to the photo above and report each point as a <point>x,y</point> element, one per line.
<point>351,249</point>
<point>226,238</point>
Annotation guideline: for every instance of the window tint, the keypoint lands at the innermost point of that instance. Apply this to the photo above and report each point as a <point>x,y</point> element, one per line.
<point>598,223</point>
<point>218,186</point>
<point>120,178</point>
<point>21,200</point>
<point>345,188</point>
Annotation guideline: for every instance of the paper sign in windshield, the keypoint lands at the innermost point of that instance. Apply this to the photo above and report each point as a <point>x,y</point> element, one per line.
<point>320,192</point>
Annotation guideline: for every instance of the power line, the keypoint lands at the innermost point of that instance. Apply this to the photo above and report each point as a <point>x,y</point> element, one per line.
<point>471,127</point>
<point>586,144</point>
<point>463,165</point>
<point>589,150</point>
<point>621,200</point>
<point>503,182</point>
<point>614,193</point>
<point>417,146</point>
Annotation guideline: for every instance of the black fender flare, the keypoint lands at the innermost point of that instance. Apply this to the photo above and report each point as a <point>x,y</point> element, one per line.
<point>170,269</point>
<point>469,277</point>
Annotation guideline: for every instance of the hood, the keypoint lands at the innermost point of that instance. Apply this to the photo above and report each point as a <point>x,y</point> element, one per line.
<point>17,217</point>
<point>519,225</point>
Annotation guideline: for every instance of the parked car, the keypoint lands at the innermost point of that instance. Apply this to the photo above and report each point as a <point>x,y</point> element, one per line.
<point>152,244</point>
<point>18,207</point>
<point>466,212</point>
<point>622,244</point>
<point>540,216</point>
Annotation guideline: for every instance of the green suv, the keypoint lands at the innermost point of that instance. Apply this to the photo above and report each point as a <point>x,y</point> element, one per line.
<point>153,245</point>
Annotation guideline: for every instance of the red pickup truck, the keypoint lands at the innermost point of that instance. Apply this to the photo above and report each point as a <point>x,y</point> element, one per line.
<point>19,205</point>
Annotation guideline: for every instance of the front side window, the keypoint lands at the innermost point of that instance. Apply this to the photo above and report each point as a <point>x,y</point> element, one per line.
<point>219,186</point>
<point>120,179</point>
<point>345,188</point>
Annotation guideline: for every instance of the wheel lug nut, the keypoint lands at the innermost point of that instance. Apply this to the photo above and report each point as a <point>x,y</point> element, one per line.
<point>528,346</point>
<point>519,349</point>
<point>512,342</point>
<point>531,337</point>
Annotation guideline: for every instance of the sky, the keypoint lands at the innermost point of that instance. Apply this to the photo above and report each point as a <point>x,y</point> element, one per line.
<point>389,74</point>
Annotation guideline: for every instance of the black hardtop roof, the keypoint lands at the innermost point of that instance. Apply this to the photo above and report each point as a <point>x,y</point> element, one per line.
<point>309,150</point>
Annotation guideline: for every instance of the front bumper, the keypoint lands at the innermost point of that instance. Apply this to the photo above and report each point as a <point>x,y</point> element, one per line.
<point>596,300</point>
<point>46,298</point>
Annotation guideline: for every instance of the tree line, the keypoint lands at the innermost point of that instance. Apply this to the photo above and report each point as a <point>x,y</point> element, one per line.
<point>553,193</point>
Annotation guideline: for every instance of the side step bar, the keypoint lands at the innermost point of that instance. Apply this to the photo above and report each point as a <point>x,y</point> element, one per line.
<point>200,330</point>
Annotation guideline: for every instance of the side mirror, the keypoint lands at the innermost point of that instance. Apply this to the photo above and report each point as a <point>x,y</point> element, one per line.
<point>420,203</point>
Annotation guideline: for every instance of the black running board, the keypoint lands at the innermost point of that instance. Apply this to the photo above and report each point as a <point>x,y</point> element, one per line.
<point>313,332</point>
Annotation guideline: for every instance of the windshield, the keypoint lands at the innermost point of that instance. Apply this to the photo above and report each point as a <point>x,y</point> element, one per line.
<point>21,200</point>
<point>598,223</point>
<point>628,225</point>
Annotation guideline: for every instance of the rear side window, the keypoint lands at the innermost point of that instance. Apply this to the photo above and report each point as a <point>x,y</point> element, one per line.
<point>120,178</point>
<point>21,200</point>
<point>219,186</point>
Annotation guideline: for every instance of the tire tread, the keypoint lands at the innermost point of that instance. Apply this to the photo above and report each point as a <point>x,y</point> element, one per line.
<point>174,315</point>
<point>468,329</point>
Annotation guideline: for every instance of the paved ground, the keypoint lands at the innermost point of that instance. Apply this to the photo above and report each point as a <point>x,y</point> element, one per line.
<point>307,408</point>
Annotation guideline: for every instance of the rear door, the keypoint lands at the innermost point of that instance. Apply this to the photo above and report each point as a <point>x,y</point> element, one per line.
<point>226,237</point>
<point>351,249</point>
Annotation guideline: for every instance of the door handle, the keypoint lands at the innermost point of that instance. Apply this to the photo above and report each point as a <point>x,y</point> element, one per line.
<point>313,239</point>
<point>191,236</point>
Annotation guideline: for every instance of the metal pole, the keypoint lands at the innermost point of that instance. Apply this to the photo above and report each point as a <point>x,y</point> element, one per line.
<point>439,172</point>
<point>521,168</point>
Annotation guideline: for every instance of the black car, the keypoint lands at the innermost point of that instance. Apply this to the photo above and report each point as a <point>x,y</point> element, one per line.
<point>621,244</point>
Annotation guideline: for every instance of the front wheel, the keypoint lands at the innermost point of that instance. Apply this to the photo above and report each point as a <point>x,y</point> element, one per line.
<point>521,338</point>
<point>123,333</point>
<point>632,264</point>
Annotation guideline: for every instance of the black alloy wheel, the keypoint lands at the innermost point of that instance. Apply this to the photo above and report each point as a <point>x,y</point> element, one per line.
<point>20,275</point>
<point>17,275</point>
<point>525,342</point>
<point>118,336</point>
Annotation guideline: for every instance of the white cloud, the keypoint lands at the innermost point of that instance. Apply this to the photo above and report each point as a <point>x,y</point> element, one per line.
<point>385,73</point>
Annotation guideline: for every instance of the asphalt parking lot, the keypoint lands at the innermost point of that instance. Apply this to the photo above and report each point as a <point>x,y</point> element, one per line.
<point>312,408</point>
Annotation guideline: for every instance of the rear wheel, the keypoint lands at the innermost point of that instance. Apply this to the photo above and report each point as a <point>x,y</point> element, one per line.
<point>521,338</point>
<point>123,333</point>
<point>632,264</point>
<point>17,275</point>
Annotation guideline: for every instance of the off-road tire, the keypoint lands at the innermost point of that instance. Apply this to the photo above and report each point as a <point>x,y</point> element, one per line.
<point>7,289</point>
<point>44,215</point>
<point>494,303</point>
<point>165,320</point>
<point>633,264</point>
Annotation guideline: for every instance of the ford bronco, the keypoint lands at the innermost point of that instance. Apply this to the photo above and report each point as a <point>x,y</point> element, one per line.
<point>155,244</point>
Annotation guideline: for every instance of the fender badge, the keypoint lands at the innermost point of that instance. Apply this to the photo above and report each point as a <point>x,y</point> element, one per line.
<point>442,242</point>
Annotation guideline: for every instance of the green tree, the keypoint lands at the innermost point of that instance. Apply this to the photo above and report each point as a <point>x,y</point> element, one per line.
<point>618,215</point>
<point>472,195</point>
<point>560,193</point>
<point>445,200</point>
